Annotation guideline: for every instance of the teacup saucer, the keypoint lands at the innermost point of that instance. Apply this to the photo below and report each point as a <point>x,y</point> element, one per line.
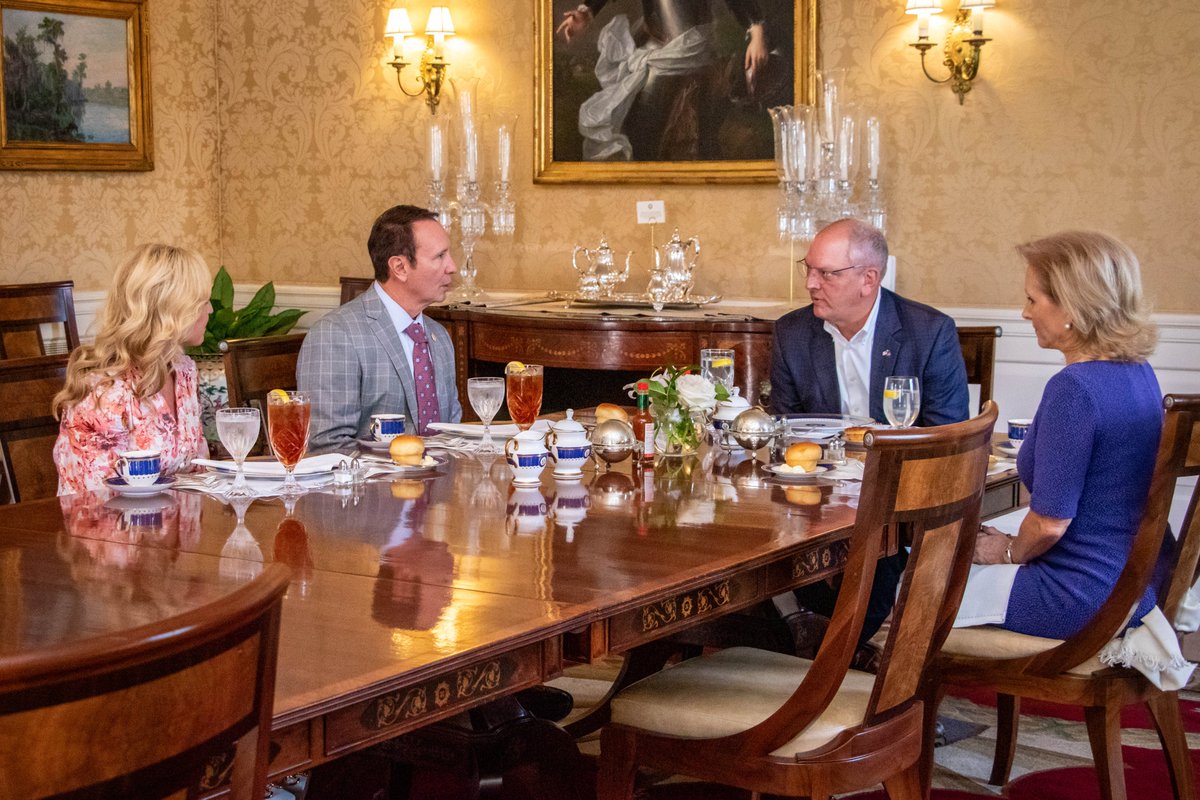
<point>567,476</point>
<point>1006,449</point>
<point>119,486</point>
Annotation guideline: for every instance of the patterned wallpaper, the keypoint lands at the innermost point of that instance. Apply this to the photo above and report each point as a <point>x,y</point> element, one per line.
<point>1084,116</point>
<point>78,225</point>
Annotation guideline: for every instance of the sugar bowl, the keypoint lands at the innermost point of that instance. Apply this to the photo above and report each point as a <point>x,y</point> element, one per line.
<point>569,446</point>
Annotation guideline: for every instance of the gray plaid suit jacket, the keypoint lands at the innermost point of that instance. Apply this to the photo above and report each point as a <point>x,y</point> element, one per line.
<point>352,365</point>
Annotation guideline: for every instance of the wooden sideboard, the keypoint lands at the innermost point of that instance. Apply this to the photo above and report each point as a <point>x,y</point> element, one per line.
<point>590,356</point>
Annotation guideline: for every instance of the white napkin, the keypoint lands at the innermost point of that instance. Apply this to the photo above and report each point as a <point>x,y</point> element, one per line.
<point>273,469</point>
<point>1153,650</point>
<point>985,600</point>
<point>500,430</point>
<point>852,470</point>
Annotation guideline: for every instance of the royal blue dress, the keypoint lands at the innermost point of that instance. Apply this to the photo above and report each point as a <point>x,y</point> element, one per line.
<point>1088,457</point>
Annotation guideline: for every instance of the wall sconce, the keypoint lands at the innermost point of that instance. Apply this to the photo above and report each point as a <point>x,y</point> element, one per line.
<point>962,42</point>
<point>431,72</point>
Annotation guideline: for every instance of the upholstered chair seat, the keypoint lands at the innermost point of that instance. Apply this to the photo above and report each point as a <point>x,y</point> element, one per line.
<point>732,691</point>
<point>997,643</point>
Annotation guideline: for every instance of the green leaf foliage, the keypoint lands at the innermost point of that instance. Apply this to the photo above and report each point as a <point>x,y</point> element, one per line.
<point>254,320</point>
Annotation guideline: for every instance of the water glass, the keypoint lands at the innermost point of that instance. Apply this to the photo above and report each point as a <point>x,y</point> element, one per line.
<point>716,366</point>
<point>901,400</point>
<point>486,394</point>
<point>238,430</point>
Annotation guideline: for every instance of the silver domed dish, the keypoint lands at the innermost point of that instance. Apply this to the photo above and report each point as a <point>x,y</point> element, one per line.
<point>753,428</point>
<point>613,441</point>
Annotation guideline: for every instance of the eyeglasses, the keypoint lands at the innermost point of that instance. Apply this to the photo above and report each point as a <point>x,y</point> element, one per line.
<point>824,274</point>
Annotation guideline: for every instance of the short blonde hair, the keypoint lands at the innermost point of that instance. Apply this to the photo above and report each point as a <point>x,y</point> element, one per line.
<point>155,297</point>
<point>1095,278</point>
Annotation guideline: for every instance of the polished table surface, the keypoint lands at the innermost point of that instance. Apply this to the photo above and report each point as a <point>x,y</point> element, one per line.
<point>414,599</point>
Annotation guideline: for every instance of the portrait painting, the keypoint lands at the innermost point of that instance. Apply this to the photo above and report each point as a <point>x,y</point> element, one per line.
<point>75,86</point>
<point>667,90</point>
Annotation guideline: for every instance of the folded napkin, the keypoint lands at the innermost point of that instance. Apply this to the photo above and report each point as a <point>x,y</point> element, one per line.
<point>852,470</point>
<point>1001,465</point>
<point>500,430</point>
<point>312,465</point>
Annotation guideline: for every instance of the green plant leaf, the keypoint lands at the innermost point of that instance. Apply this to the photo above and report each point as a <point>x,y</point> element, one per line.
<point>263,299</point>
<point>222,291</point>
<point>283,322</point>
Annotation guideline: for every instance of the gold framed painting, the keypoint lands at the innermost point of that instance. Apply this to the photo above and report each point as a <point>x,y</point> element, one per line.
<point>667,91</point>
<point>76,77</point>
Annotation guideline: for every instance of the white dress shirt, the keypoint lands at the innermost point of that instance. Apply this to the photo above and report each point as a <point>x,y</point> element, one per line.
<point>853,360</point>
<point>401,320</point>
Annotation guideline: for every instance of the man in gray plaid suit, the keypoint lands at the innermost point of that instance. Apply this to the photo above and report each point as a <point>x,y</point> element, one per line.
<point>361,358</point>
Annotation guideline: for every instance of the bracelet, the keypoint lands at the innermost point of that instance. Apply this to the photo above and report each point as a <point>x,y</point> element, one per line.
<point>1008,559</point>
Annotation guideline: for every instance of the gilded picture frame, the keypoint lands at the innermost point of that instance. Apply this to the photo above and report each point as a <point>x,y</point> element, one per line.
<point>691,148</point>
<point>76,85</point>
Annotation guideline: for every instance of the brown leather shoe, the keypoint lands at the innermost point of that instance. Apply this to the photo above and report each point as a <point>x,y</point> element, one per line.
<point>867,658</point>
<point>808,629</point>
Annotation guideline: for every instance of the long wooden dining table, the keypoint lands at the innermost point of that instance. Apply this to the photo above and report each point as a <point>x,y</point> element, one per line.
<point>415,597</point>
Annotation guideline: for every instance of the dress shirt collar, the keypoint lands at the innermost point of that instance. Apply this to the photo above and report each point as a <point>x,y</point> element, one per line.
<point>866,333</point>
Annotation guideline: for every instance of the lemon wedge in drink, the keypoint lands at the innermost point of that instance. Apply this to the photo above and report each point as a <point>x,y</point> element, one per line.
<point>891,394</point>
<point>514,366</point>
<point>280,396</point>
<point>722,362</point>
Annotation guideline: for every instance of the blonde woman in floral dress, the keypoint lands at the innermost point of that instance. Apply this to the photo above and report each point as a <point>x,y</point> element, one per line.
<point>134,389</point>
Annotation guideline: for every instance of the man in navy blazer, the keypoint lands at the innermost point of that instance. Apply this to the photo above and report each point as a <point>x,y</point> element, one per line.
<point>831,357</point>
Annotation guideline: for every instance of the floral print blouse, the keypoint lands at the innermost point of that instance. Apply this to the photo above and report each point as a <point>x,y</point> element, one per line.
<point>94,431</point>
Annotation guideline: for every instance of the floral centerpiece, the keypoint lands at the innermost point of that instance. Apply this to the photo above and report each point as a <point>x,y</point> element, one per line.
<point>682,402</point>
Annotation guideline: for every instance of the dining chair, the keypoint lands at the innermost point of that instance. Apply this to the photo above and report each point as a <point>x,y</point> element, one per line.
<point>774,723</point>
<point>352,287</point>
<point>147,712</point>
<point>1069,671</point>
<point>25,308</point>
<point>978,345</point>
<point>27,428</point>
<point>255,366</point>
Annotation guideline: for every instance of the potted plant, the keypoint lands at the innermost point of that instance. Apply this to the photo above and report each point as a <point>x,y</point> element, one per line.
<point>226,322</point>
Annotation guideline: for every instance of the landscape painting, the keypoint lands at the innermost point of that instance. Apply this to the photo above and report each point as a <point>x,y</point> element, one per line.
<point>75,92</point>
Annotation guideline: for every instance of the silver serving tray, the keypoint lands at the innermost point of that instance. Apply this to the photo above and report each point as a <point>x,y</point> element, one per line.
<point>631,300</point>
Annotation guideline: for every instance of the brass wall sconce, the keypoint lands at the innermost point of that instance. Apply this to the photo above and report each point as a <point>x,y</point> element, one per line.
<point>431,70</point>
<point>962,42</point>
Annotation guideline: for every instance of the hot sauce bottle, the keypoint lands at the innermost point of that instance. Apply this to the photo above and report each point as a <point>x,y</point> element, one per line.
<point>642,421</point>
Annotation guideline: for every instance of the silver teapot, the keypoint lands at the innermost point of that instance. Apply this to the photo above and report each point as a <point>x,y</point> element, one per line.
<point>673,275</point>
<point>599,275</point>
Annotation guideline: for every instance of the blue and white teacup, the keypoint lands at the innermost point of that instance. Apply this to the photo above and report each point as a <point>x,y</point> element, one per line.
<point>385,427</point>
<point>139,467</point>
<point>527,455</point>
<point>1018,429</point>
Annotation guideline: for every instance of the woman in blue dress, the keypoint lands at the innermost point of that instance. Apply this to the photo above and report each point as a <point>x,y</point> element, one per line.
<point>1089,453</point>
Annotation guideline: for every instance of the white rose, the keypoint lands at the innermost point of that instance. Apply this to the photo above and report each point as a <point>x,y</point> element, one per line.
<point>695,392</point>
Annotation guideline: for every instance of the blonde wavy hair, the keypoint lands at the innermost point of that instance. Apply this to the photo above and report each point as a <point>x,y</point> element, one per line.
<point>1097,280</point>
<point>154,300</point>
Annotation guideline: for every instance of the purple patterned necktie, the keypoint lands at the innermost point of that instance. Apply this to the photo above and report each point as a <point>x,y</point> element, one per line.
<point>423,376</point>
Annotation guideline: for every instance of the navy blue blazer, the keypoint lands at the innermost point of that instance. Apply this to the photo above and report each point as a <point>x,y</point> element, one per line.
<point>910,339</point>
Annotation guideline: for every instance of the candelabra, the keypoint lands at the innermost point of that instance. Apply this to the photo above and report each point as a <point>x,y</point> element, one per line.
<point>818,155</point>
<point>468,210</point>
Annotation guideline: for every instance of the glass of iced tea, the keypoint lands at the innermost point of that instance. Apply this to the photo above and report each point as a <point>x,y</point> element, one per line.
<point>288,415</point>
<point>523,387</point>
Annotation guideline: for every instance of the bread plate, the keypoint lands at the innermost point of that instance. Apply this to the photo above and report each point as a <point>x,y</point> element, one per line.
<point>779,473</point>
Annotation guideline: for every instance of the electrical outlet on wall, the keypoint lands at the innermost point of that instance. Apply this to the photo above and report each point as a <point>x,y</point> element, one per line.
<point>650,212</point>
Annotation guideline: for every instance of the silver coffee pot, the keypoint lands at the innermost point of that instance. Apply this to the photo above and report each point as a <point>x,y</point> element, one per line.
<point>599,275</point>
<point>674,269</point>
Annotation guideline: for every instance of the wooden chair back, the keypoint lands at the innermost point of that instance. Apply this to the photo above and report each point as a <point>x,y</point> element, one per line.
<point>145,713</point>
<point>25,308</point>
<point>27,428</point>
<point>253,367</point>
<point>353,287</point>
<point>1185,567</point>
<point>979,354</point>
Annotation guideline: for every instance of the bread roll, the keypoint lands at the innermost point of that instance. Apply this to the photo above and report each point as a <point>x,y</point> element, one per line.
<point>407,450</point>
<point>855,434</point>
<point>607,411</point>
<point>803,454</point>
